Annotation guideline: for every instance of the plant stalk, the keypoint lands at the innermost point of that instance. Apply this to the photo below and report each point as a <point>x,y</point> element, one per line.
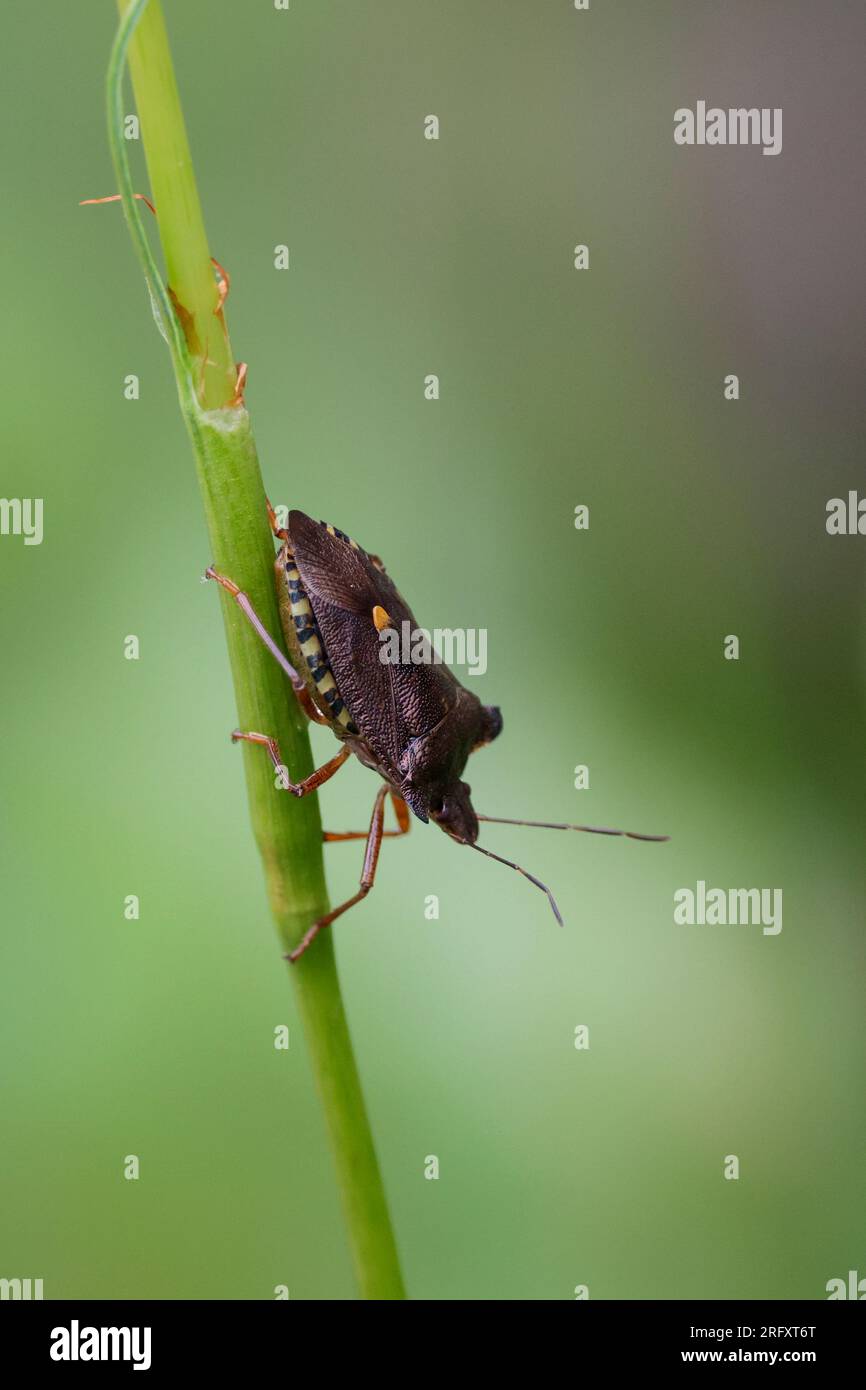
<point>288,831</point>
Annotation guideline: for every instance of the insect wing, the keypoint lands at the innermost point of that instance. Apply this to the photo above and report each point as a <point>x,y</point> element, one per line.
<point>391,703</point>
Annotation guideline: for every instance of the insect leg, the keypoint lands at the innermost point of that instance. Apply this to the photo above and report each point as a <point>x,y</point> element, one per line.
<point>255,621</point>
<point>305,700</point>
<point>368,875</point>
<point>401,811</point>
<point>310,784</point>
<point>240,598</point>
<point>279,531</point>
<point>404,822</point>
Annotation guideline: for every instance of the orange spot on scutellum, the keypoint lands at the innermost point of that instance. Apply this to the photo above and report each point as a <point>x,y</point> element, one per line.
<point>380,618</point>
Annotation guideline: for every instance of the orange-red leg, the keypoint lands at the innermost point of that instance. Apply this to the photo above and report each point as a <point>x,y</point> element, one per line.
<point>308,705</point>
<point>404,821</point>
<point>309,784</point>
<point>368,876</point>
<point>279,531</point>
<point>305,699</point>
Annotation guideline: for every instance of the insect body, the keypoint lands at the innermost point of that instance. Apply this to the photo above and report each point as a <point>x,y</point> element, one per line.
<point>413,724</point>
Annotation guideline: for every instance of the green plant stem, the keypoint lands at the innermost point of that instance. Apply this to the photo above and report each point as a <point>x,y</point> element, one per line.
<point>172,181</point>
<point>288,831</point>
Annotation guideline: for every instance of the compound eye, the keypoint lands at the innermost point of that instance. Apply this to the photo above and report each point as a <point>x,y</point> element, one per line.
<point>437,805</point>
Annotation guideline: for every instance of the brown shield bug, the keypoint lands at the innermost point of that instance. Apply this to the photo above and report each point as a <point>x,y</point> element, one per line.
<point>412,723</point>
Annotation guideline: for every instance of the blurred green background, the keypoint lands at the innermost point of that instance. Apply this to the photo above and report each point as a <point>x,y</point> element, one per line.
<point>558,1167</point>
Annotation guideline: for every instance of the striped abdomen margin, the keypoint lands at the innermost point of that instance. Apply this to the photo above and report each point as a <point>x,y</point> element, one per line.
<point>310,640</point>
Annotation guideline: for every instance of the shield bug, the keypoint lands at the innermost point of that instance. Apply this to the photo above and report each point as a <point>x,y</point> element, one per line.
<point>412,723</point>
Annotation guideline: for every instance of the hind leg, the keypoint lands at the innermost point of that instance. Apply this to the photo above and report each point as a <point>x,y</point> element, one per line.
<point>304,698</point>
<point>368,876</point>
